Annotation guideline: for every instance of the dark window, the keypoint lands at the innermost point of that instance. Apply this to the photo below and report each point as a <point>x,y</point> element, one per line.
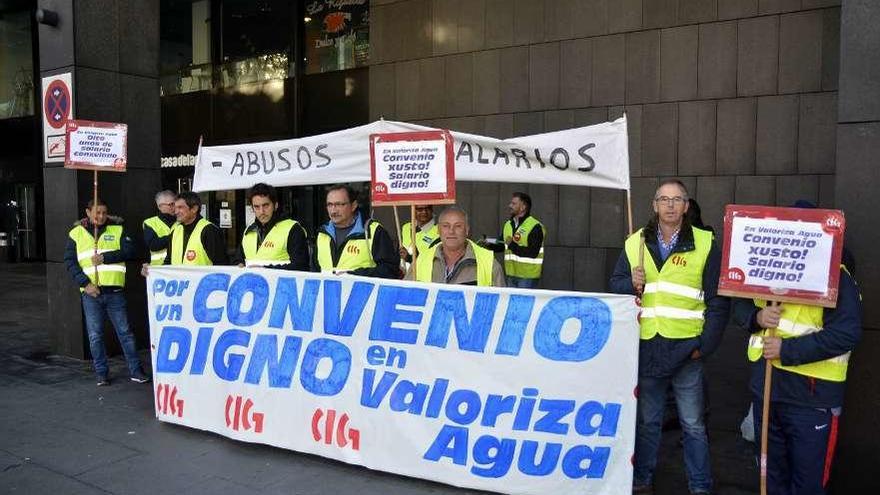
<point>16,61</point>
<point>337,35</point>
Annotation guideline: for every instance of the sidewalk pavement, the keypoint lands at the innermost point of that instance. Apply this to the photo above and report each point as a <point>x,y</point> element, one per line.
<point>59,433</point>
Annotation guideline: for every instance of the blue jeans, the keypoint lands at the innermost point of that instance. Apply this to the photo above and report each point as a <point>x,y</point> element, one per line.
<point>687,385</point>
<point>798,441</point>
<point>522,283</point>
<point>113,304</point>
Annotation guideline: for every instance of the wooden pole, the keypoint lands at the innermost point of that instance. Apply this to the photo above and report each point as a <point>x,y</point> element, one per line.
<point>765,414</point>
<point>399,236</point>
<point>397,224</point>
<point>415,252</point>
<point>629,210</point>
<point>639,290</point>
<point>94,225</point>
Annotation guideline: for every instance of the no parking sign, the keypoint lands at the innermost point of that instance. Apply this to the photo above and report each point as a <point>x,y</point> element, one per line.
<point>57,110</point>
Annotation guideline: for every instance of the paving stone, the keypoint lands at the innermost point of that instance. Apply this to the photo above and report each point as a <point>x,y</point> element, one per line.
<point>678,71</point>
<point>757,45</point>
<point>817,133</point>
<point>575,81</point>
<point>717,65</point>
<point>643,67</point>
<point>609,70</point>
<point>735,145</point>
<point>696,138</point>
<point>777,135</point>
<point>800,52</point>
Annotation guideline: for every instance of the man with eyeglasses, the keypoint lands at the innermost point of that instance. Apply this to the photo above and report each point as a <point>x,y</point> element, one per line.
<point>681,322</point>
<point>351,244</point>
<point>157,229</point>
<point>426,233</point>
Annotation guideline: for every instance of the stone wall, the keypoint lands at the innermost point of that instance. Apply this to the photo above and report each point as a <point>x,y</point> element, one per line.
<point>737,98</point>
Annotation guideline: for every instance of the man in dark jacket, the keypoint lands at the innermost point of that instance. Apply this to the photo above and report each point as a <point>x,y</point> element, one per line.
<point>348,243</point>
<point>95,256</point>
<point>681,322</point>
<point>810,355</point>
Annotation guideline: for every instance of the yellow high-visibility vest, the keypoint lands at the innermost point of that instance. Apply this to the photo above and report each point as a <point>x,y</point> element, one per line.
<point>109,274</point>
<point>195,253</point>
<point>522,266</point>
<point>797,320</point>
<point>273,249</point>
<point>162,230</point>
<point>672,300</point>
<point>485,262</point>
<point>358,253</point>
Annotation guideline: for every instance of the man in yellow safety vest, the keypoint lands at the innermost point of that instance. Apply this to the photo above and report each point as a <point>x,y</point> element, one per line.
<point>351,244</point>
<point>157,229</point>
<point>523,243</point>
<point>455,259</point>
<point>95,255</point>
<point>426,233</point>
<point>682,321</point>
<point>810,356</point>
<point>272,241</point>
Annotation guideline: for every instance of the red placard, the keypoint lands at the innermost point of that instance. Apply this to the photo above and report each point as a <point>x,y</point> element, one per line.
<point>782,254</point>
<point>412,160</point>
<point>107,153</point>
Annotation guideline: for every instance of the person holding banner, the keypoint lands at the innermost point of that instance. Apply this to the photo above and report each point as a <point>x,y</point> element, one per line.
<point>523,245</point>
<point>426,233</point>
<point>351,244</point>
<point>455,259</point>
<point>157,229</point>
<point>194,241</point>
<point>272,241</point>
<point>809,355</point>
<point>682,320</point>
<point>95,256</point>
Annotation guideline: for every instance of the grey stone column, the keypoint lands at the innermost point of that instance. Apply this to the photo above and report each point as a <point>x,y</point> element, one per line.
<point>112,49</point>
<point>858,182</point>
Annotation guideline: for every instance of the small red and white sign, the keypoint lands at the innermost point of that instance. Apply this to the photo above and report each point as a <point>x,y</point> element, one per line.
<point>782,254</point>
<point>57,100</point>
<point>412,167</point>
<point>99,146</point>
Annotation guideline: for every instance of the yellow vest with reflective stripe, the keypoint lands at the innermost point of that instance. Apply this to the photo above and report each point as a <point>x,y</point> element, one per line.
<point>485,262</point>
<point>195,253</point>
<point>797,320</point>
<point>109,274</point>
<point>521,266</point>
<point>273,249</point>
<point>672,301</point>
<point>424,238</point>
<point>162,230</point>
<point>358,253</point>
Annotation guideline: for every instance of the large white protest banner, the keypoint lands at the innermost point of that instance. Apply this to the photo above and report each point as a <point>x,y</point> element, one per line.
<point>514,391</point>
<point>594,156</point>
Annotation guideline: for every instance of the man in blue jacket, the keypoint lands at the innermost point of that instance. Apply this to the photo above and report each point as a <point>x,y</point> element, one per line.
<point>810,355</point>
<point>95,255</point>
<point>681,322</point>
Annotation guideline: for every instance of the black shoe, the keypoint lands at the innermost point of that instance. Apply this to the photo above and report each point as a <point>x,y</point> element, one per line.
<point>140,377</point>
<point>103,381</point>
